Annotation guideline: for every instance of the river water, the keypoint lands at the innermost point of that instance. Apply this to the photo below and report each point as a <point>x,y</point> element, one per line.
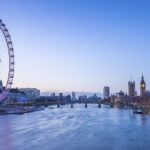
<point>76,128</point>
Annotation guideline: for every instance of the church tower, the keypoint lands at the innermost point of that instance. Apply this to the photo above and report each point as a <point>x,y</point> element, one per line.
<point>142,87</point>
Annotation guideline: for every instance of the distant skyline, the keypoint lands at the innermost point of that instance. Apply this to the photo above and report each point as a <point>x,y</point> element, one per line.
<point>79,45</point>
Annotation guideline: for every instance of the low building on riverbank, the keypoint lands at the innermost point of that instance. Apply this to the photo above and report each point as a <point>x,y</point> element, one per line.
<point>31,93</point>
<point>15,96</point>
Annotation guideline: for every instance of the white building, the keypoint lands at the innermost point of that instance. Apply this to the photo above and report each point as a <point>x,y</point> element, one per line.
<point>31,93</point>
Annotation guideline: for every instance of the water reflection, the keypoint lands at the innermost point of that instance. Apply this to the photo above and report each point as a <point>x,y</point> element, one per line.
<point>143,119</point>
<point>5,134</point>
<point>75,128</point>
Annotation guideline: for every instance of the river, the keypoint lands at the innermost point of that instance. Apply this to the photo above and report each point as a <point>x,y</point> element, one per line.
<point>76,128</point>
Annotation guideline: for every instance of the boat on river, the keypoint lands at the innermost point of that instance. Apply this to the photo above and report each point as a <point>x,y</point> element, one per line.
<point>138,111</point>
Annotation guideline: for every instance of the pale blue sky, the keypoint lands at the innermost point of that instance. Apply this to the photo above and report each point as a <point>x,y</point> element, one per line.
<point>79,45</point>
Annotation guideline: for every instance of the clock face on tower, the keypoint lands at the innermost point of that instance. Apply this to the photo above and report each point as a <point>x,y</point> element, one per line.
<point>143,85</point>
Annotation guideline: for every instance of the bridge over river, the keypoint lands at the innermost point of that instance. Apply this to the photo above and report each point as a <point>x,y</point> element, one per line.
<point>137,108</point>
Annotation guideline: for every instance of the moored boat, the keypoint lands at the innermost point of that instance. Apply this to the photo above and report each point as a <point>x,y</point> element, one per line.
<point>137,111</point>
<point>4,110</point>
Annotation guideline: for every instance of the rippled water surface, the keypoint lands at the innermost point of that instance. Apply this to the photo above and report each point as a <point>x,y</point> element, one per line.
<point>76,128</point>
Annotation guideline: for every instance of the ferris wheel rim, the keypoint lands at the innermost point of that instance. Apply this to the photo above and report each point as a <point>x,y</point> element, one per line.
<point>10,57</point>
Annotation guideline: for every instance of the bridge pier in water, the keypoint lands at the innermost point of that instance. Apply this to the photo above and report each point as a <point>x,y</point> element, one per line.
<point>111,105</point>
<point>58,104</point>
<point>99,105</point>
<point>85,104</point>
<point>71,104</point>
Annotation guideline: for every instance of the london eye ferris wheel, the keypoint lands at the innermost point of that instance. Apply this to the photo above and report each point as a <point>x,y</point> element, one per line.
<point>6,61</point>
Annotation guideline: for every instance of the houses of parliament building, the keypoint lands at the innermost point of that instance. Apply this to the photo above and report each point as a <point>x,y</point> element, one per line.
<point>131,88</point>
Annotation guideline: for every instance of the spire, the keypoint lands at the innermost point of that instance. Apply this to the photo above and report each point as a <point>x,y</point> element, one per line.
<point>142,80</point>
<point>142,77</point>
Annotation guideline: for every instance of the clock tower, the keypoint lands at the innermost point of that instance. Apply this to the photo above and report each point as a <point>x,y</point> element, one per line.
<point>142,87</point>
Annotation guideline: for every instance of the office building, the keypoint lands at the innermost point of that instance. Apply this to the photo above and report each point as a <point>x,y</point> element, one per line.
<point>106,92</point>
